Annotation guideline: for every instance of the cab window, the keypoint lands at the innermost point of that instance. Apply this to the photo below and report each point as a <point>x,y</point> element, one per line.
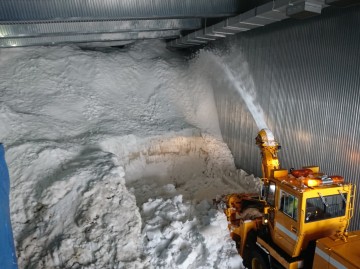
<point>288,204</point>
<point>325,207</point>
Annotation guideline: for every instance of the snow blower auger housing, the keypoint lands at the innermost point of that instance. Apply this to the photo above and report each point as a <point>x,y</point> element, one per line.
<point>299,220</point>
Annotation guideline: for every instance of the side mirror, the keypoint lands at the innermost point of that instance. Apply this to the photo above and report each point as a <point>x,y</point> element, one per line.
<point>264,189</point>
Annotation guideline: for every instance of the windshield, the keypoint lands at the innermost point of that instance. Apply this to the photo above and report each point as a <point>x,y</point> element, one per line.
<point>325,207</point>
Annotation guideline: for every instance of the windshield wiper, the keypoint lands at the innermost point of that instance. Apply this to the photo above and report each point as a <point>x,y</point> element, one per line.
<point>342,196</point>
<point>323,200</point>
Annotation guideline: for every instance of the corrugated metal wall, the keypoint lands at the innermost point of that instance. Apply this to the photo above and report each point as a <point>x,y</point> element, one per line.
<point>307,81</point>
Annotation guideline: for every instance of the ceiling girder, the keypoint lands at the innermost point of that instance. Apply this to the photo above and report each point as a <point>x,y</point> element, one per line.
<point>265,14</point>
<point>86,38</point>
<point>93,27</point>
<point>52,22</point>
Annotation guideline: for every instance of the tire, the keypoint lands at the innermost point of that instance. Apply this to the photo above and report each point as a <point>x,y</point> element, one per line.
<point>250,245</point>
<point>259,260</point>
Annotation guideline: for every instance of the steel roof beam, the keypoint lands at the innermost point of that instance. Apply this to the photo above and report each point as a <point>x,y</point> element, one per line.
<point>262,15</point>
<point>93,27</point>
<point>55,40</point>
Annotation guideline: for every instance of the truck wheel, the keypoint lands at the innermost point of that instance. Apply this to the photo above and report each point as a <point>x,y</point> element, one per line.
<point>259,261</point>
<point>249,249</point>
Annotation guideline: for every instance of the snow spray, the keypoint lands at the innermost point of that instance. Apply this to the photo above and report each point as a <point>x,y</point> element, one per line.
<point>242,82</point>
<point>249,99</point>
<point>244,85</point>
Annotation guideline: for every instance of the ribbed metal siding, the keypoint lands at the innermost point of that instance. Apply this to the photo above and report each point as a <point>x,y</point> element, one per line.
<point>307,78</point>
<point>30,10</point>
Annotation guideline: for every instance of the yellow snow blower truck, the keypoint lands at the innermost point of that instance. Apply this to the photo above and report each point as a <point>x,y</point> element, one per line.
<point>299,220</point>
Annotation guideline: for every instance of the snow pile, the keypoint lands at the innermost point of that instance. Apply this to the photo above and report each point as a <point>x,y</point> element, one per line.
<point>186,236</point>
<point>114,159</point>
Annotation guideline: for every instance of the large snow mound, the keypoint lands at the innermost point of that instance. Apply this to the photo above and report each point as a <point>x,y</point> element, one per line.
<point>114,159</point>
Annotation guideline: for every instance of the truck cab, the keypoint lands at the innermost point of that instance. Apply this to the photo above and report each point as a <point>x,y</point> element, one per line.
<point>303,209</point>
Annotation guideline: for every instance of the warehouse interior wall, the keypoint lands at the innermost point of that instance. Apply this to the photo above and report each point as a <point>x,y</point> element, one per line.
<point>305,77</point>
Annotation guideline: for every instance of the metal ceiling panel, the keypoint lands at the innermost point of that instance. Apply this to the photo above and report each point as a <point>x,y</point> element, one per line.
<point>44,10</point>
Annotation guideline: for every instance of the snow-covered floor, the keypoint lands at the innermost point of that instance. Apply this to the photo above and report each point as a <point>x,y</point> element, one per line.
<point>114,158</point>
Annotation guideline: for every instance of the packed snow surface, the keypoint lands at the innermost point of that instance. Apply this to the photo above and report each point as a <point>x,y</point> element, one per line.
<point>114,158</point>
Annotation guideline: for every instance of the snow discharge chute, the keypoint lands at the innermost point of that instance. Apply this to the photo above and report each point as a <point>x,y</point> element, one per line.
<point>7,248</point>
